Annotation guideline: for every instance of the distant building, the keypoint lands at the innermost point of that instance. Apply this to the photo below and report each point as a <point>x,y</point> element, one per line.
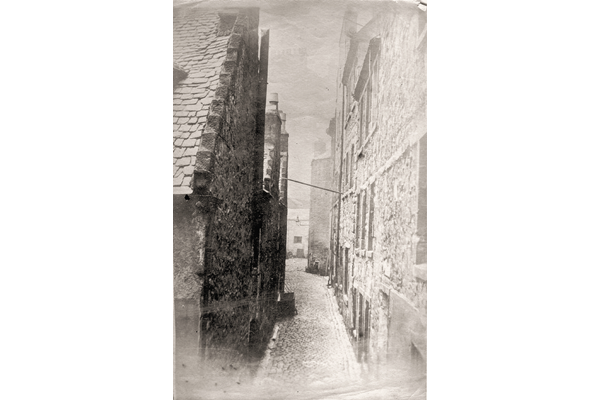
<point>320,208</point>
<point>297,233</point>
<point>379,222</point>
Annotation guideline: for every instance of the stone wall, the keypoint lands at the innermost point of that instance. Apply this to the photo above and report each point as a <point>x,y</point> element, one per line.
<point>233,317</point>
<point>229,141</point>
<point>271,230</point>
<point>388,176</point>
<point>320,205</point>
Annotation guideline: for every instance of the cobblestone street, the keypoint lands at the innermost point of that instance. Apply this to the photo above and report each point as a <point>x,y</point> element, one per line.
<point>311,357</point>
<point>311,348</point>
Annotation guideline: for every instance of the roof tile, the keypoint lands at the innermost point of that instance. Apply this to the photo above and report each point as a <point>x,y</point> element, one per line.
<point>183,161</point>
<point>198,50</point>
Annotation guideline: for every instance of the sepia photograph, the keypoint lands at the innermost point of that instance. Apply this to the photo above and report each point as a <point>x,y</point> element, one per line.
<point>300,199</point>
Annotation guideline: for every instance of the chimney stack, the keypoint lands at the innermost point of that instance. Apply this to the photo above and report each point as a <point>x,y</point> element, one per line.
<point>273,101</point>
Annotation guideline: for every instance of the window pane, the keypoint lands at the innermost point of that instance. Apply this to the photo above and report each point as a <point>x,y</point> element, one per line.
<point>363,224</point>
<point>371,212</point>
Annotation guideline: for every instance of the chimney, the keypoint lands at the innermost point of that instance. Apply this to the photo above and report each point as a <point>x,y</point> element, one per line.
<point>273,100</point>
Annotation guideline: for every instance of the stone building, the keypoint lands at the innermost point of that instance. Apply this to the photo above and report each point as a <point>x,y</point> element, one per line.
<point>297,232</point>
<point>379,221</point>
<point>320,208</point>
<point>228,229</point>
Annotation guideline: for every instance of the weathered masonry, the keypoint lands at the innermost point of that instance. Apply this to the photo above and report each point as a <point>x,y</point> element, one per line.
<point>228,229</point>
<point>379,222</point>
<point>320,208</point>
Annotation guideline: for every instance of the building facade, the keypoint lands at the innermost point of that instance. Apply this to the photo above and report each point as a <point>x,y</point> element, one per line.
<point>228,229</point>
<point>379,221</point>
<point>320,209</point>
<point>297,233</point>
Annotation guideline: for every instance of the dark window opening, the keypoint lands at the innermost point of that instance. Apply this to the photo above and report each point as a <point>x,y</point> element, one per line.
<point>354,307</point>
<point>346,271</point>
<point>367,319</point>
<point>350,183</point>
<point>363,234</point>
<point>361,329</point>
<point>357,227</point>
<point>297,239</point>
<point>371,215</point>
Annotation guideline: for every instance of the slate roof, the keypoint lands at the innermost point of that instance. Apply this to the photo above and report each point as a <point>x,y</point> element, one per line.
<point>198,51</point>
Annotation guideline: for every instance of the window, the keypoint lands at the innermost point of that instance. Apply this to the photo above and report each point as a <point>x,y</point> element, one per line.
<point>363,233</point>
<point>368,96</point>
<point>350,184</point>
<point>344,172</point>
<point>347,171</point>
<point>346,271</point>
<point>361,122</point>
<point>354,307</point>
<point>361,316</point>
<point>371,212</point>
<point>340,274</point>
<point>366,91</point>
<point>357,228</point>
<point>297,239</point>
<point>374,88</point>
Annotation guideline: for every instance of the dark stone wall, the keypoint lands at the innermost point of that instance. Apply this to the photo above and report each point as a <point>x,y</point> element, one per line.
<point>231,132</point>
<point>235,312</point>
<point>271,235</point>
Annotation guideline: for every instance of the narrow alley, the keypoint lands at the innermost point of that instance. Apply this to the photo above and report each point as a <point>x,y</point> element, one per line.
<point>296,275</point>
<point>311,356</point>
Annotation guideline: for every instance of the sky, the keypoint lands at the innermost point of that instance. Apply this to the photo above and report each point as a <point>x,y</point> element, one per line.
<point>303,66</point>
